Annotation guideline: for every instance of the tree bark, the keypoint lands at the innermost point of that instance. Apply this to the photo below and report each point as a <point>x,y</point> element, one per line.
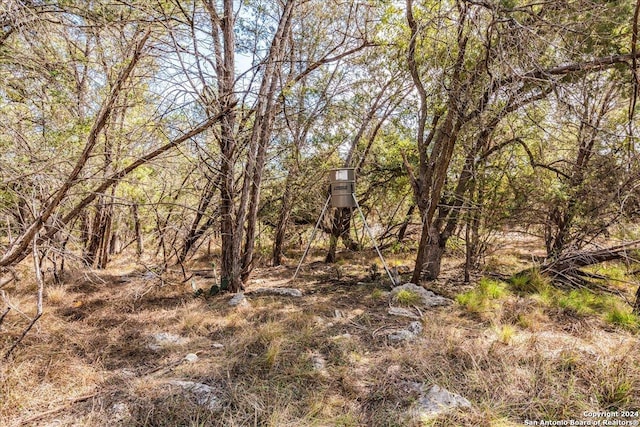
<point>261,135</point>
<point>283,220</point>
<point>137,230</point>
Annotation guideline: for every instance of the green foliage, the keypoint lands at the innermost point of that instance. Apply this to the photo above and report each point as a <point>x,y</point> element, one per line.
<point>483,297</point>
<point>407,297</point>
<point>581,302</point>
<point>623,317</point>
<point>529,282</point>
<point>612,270</point>
<point>506,334</point>
<point>492,288</point>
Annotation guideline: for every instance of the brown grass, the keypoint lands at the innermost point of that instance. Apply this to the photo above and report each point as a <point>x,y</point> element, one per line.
<point>88,360</point>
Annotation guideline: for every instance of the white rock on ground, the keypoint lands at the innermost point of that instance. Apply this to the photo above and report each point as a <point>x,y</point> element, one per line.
<point>429,299</point>
<point>410,333</point>
<point>119,412</point>
<point>403,312</point>
<point>191,357</point>
<point>437,400</point>
<point>165,339</point>
<point>289,292</point>
<point>239,300</point>
<point>204,394</point>
<point>319,362</point>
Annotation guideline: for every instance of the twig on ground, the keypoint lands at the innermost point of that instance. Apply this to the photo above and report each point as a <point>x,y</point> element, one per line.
<point>71,402</point>
<point>4,315</point>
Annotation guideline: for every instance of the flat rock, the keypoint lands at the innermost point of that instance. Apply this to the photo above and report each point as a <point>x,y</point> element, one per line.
<point>239,300</point>
<point>345,336</point>
<point>191,358</point>
<point>403,312</point>
<point>119,412</point>
<point>319,362</point>
<point>437,400</point>
<point>289,292</point>
<point>204,394</point>
<point>165,339</point>
<point>410,333</point>
<point>429,299</point>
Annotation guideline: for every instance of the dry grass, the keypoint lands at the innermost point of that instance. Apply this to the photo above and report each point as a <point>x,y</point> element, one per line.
<point>320,360</point>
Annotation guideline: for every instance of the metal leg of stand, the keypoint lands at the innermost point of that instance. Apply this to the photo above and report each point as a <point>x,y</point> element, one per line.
<point>315,229</point>
<point>366,227</point>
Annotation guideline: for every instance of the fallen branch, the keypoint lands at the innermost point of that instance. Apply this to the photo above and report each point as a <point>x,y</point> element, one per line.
<point>37,417</point>
<point>586,258</point>
<point>565,271</point>
<point>4,315</point>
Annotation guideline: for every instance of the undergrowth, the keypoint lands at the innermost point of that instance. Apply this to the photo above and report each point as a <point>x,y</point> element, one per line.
<point>289,362</point>
<point>580,302</point>
<point>484,297</point>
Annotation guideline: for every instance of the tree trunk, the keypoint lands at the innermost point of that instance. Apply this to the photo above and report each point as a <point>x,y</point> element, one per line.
<point>283,220</point>
<point>137,230</point>
<point>340,230</point>
<point>225,63</point>
<point>433,254</point>
<point>105,237</point>
<point>94,234</point>
<point>261,135</point>
<point>402,231</point>
<point>19,249</point>
<point>195,232</point>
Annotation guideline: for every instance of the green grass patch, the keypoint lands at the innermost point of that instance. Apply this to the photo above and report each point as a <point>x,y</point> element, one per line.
<point>531,282</point>
<point>623,317</point>
<point>581,302</point>
<point>483,297</point>
<point>506,334</point>
<point>407,297</point>
<point>378,294</point>
<point>612,270</point>
<point>609,307</point>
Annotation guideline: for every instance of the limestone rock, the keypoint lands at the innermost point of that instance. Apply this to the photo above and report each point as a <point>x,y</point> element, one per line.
<point>403,312</point>
<point>319,362</point>
<point>437,400</point>
<point>119,412</point>
<point>165,339</point>
<point>410,333</point>
<point>204,394</point>
<point>429,299</point>
<point>239,300</point>
<point>289,292</point>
